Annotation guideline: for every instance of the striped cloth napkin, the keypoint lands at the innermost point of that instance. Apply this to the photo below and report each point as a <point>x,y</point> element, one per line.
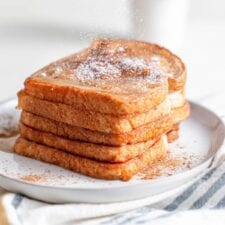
<point>203,202</point>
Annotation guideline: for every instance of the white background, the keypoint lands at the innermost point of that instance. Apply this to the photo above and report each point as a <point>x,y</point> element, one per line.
<point>34,33</point>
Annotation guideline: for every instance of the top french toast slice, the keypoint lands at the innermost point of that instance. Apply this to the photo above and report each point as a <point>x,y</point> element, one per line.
<point>111,76</point>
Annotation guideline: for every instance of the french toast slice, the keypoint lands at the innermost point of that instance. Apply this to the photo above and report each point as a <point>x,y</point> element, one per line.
<point>92,120</point>
<point>111,76</point>
<point>86,149</point>
<point>93,168</point>
<point>141,134</point>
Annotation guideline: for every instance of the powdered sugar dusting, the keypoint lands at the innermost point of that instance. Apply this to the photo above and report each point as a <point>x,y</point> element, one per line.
<point>119,74</point>
<point>115,69</point>
<point>95,67</point>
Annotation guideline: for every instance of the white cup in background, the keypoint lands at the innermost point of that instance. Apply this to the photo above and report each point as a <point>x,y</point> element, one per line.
<point>160,21</point>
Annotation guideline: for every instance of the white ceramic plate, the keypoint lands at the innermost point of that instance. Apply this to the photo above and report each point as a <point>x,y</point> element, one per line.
<point>201,138</point>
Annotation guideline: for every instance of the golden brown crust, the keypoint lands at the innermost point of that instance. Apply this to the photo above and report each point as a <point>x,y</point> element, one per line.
<point>84,98</point>
<point>144,133</point>
<point>89,119</point>
<point>86,149</point>
<point>110,171</point>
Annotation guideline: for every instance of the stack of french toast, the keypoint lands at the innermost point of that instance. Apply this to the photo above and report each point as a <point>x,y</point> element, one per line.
<point>107,111</point>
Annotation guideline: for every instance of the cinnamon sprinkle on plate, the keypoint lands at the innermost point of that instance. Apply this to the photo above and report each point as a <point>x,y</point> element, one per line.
<point>167,166</point>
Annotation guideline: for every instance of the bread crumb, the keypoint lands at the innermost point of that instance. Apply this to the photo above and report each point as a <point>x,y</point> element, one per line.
<point>32,178</point>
